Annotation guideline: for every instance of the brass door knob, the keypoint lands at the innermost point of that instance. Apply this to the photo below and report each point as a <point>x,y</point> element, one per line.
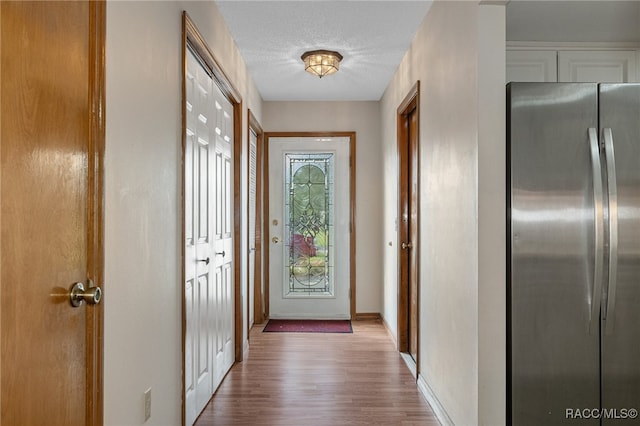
<point>78,294</point>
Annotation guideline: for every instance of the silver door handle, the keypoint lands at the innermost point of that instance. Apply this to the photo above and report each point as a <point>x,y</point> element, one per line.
<point>405,246</point>
<point>612,190</point>
<point>77,295</point>
<point>275,240</point>
<point>594,320</point>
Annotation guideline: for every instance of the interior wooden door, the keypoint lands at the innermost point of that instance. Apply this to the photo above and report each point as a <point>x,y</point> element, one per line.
<point>51,145</point>
<point>412,119</point>
<point>408,226</point>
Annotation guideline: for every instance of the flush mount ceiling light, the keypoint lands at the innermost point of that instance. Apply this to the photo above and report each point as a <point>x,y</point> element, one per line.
<point>321,62</point>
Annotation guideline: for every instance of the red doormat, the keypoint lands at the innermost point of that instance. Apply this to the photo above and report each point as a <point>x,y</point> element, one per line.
<point>308,326</point>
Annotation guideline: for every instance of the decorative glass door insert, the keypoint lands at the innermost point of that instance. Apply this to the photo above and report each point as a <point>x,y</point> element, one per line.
<point>309,224</point>
<point>309,230</point>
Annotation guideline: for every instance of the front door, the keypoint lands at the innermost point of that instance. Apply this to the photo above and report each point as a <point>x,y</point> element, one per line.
<point>309,213</point>
<point>52,138</point>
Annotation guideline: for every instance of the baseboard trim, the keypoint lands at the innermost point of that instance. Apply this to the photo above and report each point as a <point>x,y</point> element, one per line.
<point>389,332</point>
<point>438,409</point>
<point>411,364</point>
<point>367,316</point>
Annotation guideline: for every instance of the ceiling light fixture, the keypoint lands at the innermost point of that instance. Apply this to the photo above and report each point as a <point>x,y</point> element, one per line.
<point>321,62</point>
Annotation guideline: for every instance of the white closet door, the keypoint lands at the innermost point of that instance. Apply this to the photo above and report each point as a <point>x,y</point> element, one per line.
<point>531,66</point>
<point>223,301</point>
<point>253,149</point>
<point>589,66</point>
<point>208,225</point>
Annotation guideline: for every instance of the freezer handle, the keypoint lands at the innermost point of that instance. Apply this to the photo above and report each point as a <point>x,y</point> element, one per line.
<point>594,320</point>
<point>612,192</point>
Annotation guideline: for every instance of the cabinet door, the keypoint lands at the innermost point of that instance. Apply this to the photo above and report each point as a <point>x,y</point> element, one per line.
<point>531,66</point>
<point>617,66</point>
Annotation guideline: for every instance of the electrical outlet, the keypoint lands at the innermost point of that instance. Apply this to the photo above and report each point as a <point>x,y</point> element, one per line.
<point>147,404</point>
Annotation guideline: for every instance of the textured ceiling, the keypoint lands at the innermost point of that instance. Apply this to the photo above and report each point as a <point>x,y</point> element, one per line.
<point>373,36</point>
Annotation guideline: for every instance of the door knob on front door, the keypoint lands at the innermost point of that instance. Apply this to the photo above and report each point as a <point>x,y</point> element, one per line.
<point>406,245</point>
<point>78,294</point>
<point>276,240</point>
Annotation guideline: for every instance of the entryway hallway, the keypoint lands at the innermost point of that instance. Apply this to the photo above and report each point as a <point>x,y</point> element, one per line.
<point>310,379</point>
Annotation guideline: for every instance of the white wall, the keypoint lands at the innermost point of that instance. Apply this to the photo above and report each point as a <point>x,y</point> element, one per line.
<point>492,211</point>
<point>454,183</point>
<point>363,118</point>
<point>143,343</point>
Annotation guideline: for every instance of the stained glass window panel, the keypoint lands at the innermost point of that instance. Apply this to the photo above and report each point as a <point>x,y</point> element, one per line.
<point>309,203</point>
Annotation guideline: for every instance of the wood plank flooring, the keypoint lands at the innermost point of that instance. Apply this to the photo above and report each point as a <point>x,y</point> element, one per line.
<point>310,379</point>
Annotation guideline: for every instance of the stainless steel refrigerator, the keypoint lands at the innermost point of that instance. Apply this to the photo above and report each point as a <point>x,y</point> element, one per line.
<point>573,291</point>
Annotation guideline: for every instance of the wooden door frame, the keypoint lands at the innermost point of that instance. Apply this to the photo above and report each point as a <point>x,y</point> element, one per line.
<point>192,38</point>
<point>95,211</point>
<point>411,102</point>
<point>258,315</point>
<point>352,209</point>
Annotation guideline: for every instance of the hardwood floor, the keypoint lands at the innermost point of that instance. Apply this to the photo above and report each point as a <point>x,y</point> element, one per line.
<point>308,379</point>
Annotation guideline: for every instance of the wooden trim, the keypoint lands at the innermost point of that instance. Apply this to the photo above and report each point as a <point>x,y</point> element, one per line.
<point>367,316</point>
<point>352,209</point>
<point>197,42</point>
<point>183,139</point>
<point>95,211</point>
<point>182,214</point>
<point>255,127</point>
<point>192,39</point>
<point>352,204</point>
<point>265,226</point>
<point>410,102</point>
<point>237,227</point>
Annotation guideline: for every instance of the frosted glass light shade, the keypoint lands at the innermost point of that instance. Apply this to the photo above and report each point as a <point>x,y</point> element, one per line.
<point>321,62</point>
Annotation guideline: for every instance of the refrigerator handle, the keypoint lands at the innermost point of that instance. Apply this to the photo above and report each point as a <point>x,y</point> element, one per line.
<point>613,229</point>
<point>594,319</point>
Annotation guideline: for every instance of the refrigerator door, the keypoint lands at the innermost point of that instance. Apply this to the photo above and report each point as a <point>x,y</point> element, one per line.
<point>620,112</point>
<point>554,356</point>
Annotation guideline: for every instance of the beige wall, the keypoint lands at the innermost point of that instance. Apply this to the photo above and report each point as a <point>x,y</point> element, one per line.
<point>492,210</point>
<point>461,145</point>
<point>363,118</point>
<point>455,321</point>
<point>143,343</point>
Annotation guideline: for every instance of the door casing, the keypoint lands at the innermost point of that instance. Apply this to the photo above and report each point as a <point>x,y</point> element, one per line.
<point>352,211</point>
<point>408,223</point>
<point>258,310</point>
